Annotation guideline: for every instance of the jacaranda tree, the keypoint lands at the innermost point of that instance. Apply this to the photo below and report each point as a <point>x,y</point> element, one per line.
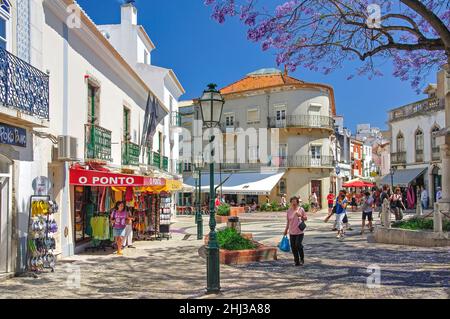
<point>323,34</point>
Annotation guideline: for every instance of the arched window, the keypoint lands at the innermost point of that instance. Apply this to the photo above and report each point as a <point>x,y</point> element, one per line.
<point>419,145</point>
<point>435,151</point>
<point>400,143</point>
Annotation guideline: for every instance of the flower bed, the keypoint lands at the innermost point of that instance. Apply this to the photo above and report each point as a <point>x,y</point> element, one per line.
<point>418,223</point>
<point>241,249</point>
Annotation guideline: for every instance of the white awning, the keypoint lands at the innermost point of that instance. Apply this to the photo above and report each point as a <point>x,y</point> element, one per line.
<point>241,183</point>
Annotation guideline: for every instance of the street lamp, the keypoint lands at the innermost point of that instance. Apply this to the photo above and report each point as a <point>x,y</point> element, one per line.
<point>392,172</point>
<point>198,182</point>
<point>211,106</point>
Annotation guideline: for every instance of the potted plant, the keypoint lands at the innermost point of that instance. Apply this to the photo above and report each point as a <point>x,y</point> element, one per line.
<point>223,211</point>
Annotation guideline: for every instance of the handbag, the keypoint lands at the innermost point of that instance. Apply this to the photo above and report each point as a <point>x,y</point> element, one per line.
<point>302,226</point>
<point>284,244</point>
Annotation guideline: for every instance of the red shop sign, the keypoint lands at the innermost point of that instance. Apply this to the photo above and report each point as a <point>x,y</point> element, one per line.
<point>97,178</point>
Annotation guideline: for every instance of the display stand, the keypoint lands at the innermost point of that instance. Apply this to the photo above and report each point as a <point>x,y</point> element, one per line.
<point>165,218</point>
<point>40,241</point>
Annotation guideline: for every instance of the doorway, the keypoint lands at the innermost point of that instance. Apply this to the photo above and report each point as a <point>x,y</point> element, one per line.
<point>316,187</point>
<point>5,215</point>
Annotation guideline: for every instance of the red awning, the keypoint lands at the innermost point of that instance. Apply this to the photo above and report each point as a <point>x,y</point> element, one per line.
<point>97,178</point>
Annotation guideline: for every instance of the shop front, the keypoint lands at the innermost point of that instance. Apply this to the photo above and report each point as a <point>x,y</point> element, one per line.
<point>95,195</point>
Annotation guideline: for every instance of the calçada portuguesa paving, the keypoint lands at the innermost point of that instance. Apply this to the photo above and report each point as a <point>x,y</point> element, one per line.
<point>173,269</point>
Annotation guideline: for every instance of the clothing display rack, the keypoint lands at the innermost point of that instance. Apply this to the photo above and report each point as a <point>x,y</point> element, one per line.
<point>41,227</point>
<point>101,232</point>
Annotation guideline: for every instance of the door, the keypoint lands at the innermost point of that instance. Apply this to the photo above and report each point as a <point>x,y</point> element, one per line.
<point>316,187</point>
<point>314,118</point>
<point>5,215</point>
<point>283,155</point>
<point>280,117</point>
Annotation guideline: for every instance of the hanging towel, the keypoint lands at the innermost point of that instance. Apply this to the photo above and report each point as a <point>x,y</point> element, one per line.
<point>129,194</point>
<point>410,197</point>
<point>108,200</point>
<point>102,200</point>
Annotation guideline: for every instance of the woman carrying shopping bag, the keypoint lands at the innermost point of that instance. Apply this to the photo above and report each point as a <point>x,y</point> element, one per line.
<point>295,225</point>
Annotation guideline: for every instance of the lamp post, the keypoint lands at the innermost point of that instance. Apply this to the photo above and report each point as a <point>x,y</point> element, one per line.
<point>198,212</point>
<point>392,172</point>
<point>211,106</point>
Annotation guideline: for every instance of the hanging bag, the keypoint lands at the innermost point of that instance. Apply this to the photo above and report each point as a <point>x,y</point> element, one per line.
<point>284,244</point>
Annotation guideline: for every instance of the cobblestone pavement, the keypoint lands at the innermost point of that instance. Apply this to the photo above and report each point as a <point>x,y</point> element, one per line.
<point>173,269</point>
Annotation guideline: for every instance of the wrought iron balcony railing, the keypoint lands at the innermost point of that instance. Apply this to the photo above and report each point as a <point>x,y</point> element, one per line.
<point>23,87</point>
<point>435,154</point>
<point>302,121</point>
<point>419,156</point>
<point>130,154</point>
<point>175,119</point>
<point>154,159</point>
<point>398,158</point>
<point>416,108</point>
<point>297,161</point>
<point>97,143</point>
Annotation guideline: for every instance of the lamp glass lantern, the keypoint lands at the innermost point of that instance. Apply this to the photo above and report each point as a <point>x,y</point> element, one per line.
<point>211,106</point>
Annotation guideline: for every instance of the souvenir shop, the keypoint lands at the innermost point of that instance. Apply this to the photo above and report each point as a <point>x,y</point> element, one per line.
<point>96,194</point>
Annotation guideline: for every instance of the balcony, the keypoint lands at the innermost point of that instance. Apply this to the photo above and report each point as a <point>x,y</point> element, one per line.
<point>398,158</point>
<point>417,108</point>
<point>23,87</point>
<point>175,119</point>
<point>302,121</point>
<point>130,154</point>
<point>435,154</point>
<point>165,163</point>
<point>419,156</point>
<point>154,159</point>
<point>97,143</point>
<point>297,161</point>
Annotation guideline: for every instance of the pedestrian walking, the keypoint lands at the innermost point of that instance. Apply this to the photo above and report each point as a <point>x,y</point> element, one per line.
<point>367,211</point>
<point>314,202</point>
<point>296,217</point>
<point>354,204</point>
<point>341,206</point>
<point>118,221</point>
<point>424,197</point>
<point>330,200</point>
<point>283,202</point>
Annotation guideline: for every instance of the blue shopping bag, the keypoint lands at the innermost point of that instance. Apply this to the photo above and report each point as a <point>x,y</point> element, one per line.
<point>284,244</point>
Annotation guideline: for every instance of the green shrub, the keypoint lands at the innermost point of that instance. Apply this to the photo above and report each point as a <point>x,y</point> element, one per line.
<point>223,210</point>
<point>266,207</point>
<point>306,207</point>
<point>229,239</point>
<point>418,223</point>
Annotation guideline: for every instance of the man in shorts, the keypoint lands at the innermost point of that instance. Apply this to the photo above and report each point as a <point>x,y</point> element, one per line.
<point>367,211</point>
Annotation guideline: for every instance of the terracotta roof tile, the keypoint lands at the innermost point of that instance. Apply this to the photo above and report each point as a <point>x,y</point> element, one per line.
<point>257,82</point>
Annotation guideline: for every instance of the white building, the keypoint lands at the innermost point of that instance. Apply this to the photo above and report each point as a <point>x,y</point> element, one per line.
<point>87,91</point>
<point>301,113</point>
<point>342,152</point>
<point>415,152</point>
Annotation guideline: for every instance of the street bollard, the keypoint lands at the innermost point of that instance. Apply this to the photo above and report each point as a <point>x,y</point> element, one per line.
<point>386,214</point>
<point>437,219</point>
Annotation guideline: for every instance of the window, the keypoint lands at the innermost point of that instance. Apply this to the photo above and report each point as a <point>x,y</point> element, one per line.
<point>400,143</point>
<point>93,104</point>
<point>434,130</point>
<point>253,154</point>
<point>419,140</point>
<point>419,145</point>
<point>253,116</point>
<point>316,151</point>
<point>2,33</point>
<point>126,124</point>
<point>282,186</point>
<point>229,120</point>
<point>5,6</point>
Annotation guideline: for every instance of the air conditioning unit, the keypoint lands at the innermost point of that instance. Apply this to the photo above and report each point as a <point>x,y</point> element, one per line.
<point>67,148</point>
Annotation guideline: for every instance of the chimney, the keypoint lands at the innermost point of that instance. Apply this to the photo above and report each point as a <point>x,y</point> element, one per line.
<point>129,13</point>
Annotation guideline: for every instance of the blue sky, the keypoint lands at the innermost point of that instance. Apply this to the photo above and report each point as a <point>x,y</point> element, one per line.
<point>200,51</point>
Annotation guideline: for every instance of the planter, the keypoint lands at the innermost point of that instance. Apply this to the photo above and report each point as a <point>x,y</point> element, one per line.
<point>221,219</point>
<point>236,211</point>
<point>235,257</point>
<point>248,236</point>
<point>408,237</point>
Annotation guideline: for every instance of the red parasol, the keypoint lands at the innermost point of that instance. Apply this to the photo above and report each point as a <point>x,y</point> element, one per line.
<point>358,184</point>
